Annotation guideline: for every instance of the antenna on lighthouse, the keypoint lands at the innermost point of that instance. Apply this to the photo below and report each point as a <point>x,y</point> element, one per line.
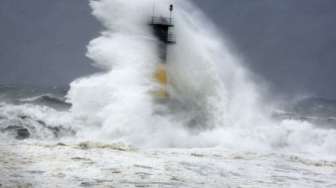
<point>171,9</point>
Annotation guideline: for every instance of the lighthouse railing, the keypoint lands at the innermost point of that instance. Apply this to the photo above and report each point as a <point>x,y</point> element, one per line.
<point>162,21</point>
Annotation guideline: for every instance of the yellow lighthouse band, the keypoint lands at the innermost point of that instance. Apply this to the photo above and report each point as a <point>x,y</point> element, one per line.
<point>160,76</point>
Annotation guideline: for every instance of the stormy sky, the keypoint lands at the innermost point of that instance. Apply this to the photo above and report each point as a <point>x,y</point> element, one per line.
<point>289,43</point>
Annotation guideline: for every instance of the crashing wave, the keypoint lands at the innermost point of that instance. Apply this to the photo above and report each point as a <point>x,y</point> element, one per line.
<point>215,101</point>
<point>35,122</point>
<point>47,100</point>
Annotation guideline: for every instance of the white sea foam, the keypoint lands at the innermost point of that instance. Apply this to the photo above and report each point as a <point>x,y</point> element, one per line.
<point>214,104</point>
<point>215,101</point>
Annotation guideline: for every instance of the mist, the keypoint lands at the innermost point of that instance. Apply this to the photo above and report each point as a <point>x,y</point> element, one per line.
<point>288,44</point>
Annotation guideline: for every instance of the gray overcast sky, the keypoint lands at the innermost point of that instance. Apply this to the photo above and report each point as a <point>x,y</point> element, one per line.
<point>289,43</point>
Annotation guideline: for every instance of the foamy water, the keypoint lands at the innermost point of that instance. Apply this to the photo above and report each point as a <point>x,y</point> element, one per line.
<point>214,100</point>
<point>215,106</point>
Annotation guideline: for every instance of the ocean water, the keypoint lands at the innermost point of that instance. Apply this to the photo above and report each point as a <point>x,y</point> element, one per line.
<point>106,130</point>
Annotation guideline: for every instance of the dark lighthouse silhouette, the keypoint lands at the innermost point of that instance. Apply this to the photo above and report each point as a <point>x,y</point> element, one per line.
<point>162,30</point>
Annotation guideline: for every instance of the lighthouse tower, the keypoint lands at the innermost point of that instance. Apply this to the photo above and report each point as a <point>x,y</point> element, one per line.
<point>162,30</point>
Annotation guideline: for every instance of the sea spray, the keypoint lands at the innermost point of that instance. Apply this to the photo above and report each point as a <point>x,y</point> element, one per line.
<point>119,100</point>
<point>213,103</point>
<point>213,100</point>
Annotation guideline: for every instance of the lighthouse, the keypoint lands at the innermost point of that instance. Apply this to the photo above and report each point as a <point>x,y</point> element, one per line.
<point>162,30</point>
